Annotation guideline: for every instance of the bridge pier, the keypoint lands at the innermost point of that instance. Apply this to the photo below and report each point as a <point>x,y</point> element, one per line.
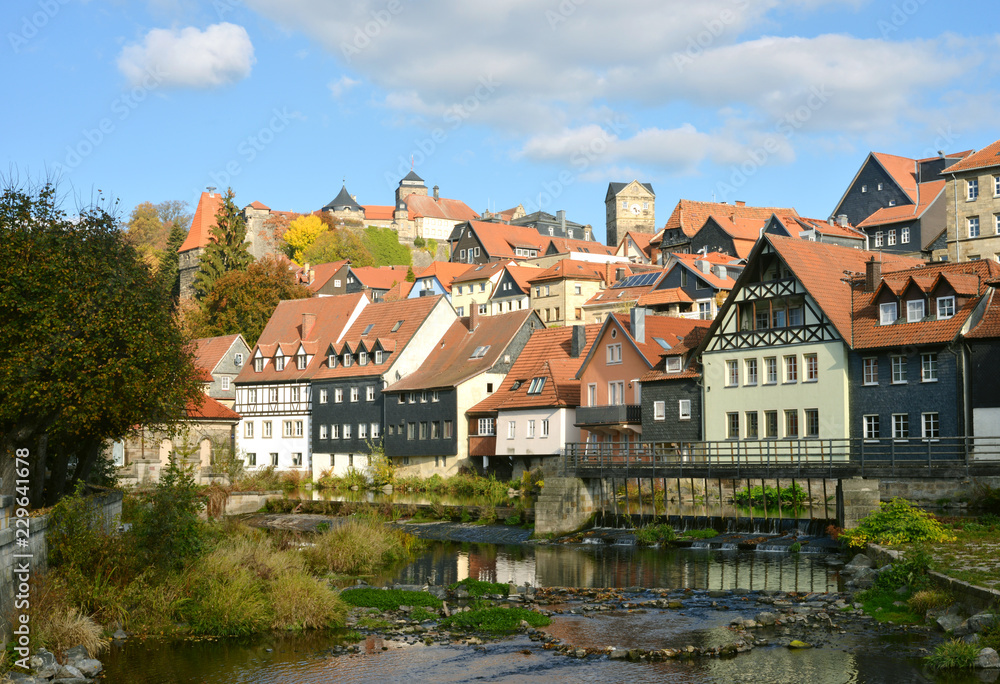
<point>856,498</point>
<point>566,504</point>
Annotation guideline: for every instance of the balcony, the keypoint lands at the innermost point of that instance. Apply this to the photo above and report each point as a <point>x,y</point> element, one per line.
<point>619,414</point>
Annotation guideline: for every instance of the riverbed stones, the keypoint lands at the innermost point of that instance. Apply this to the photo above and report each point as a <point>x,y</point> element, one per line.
<point>987,659</point>
<point>797,644</point>
<point>766,619</point>
<point>980,622</point>
<point>89,667</point>
<point>859,561</point>
<point>949,622</point>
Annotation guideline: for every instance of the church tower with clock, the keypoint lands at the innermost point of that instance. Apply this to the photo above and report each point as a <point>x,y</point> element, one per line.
<point>630,207</point>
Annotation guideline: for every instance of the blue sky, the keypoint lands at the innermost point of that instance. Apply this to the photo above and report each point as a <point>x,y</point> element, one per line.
<point>774,102</point>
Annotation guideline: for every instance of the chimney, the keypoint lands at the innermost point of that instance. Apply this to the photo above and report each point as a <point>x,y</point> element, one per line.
<point>473,316</point>
<point>308,321</point>
<point>638,320</point>
<point>561,217</point>
<point>873,274</point>
<point>741,203</point>
<point>436,192</point>
<point>577,341</point>
<point>842,220</point>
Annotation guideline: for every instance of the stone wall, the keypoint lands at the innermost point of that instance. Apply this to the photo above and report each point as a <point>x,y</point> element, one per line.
<point>931,492</point>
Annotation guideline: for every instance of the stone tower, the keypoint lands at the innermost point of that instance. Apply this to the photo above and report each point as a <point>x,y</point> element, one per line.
<point>630,207</point>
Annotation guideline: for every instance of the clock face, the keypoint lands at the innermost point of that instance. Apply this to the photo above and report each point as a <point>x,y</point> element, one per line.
<point>635,209</point>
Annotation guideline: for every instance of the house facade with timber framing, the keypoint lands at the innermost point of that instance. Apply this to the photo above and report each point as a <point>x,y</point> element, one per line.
<point>775,362</point>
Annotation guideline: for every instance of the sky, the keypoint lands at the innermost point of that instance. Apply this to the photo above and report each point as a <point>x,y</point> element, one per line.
<point>500,103</point>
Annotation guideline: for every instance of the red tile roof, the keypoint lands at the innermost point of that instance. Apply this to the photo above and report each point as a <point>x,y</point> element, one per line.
<point>451,362</point>
<point>444,271</point>
<point>690,215</point>
<point>989,325</point>
<point>397,292</point>
<point>547,354</point>
<point>382,317</point>
<point>420,206</point>
<point>380,277</point>
<point>284,331</point>
<point>567,246</point>
<point>927,194</point>
<point>205,407</point>
<point>671,329</point>
<point>674,295</point>
<point>522,275</point>
<point>683,348</point>
<point>616,296</point>
<point>260,205</point>
<point>377,212</point>
<point>987,157</point>
<point>209,351</point>
<point>643,241</point>
<point>691,263</point>
<point>323,272</point>
<point>902,169</point>
<point>569,269</point>
<point>203,222</point>
<point>826,228</point>
<point>499,239</point>
<point>820,267</point>
<point>965,277</point>
<point>479,271</point>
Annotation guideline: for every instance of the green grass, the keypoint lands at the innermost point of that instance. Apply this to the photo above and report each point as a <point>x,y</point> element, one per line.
<point>373,623</point>
<point>648,535</point>
<point>699,534</point>
<point>953,655</point>
<point>495,620</point>
<point>388,599</point>
<point>879,604</point>
<point>420,614</point>
<point>476,588</point>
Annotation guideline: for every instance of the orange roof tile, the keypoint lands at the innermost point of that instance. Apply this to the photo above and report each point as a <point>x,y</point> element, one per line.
<point>500,239</point>
<point>323,272</point>
<point>690,215</point>
<point>987,157</point>
<point>569,269</point>
<point>377,212</point>
<point>420,206</point>
<point>209,351</point>
<point>989,325</point>
<point>398,291</point>
<point>674,295</point>
<point>521,275</point>
<point>902,169</point>
<point>479,271</point>
<point>567,246</point>
<point>671,329</point>
<point>927,194</point>
<point>203,222</point>
<point>451,362</point>
<point>260,205</point>
<point>444,271</point>
<point>205,407</point>
<point>692,263</point>
<point>380,277</point>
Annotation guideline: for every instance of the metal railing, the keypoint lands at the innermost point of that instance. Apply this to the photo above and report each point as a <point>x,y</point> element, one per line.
<point>609,415</point>
<point>854,454</point>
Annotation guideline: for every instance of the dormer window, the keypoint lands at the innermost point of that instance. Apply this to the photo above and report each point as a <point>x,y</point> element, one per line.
<point>258,365</point>
<point>378,357</point>
<point>300,361</point>
<point>536,385</point>
<point>279,363</point>
<point>887,313</point>
<point>673,364</point>
<point>363,358</point>
<point>945,307</point>
<point>914,310</point>
<point>347,360</point>
<point>331,360</point>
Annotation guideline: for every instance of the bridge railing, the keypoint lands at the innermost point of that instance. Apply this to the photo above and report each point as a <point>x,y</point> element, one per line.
<point>853,453</point>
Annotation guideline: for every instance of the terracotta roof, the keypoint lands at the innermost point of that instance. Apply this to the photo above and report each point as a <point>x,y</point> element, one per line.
<point>522,275</point>
<point>378,212</point>
<point>684,349</point>
<point>927,194</point>
<point>205,407</point>
<point>209,351</point>
<point>820,267</point>
<point>690,262</point>
<point>508,214</point>
<point>451,362</point>
<point>567,246</point>
<point>966,277</point>
<point>479,271</point>
<point>260,205</point>
<point>547,354</point>
<point>380,277</point>
<point>444,271</point>
<point>400,290</point>
<point>642,240</point>
<point>615,296</point>
<point>203,222</point>
<point>569,269</point>
<point>450,209</point>
<point>323,272</point>
<point>284,330</point>
<point>989,326</point>
<point>204,374</point>
<point>987,157</point>
<point>903,170</point>
<point>500,239</point>
<point>382,317</point>
<point>673,295</point>
<point>690,215</point>
<point>671,329</point>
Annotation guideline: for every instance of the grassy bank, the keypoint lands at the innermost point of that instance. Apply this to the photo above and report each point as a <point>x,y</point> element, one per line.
<point>173,574</point>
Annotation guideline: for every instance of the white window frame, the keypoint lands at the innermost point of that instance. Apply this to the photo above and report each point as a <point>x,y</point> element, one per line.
<point>791,369</point>
<point>279,363</point>
<point>972,189</point>
<point>946,304</point>
<point>811,363</point>
<point>888,312</point>
<point>900,426</point>
<point>733,425</point>
<point>616,390</point>
<point>375,430</point>
<point>732,373</point>
<point>869,369</point>
<point>370,393</point>
<point>347,431</point>
<point>614,354</point>
<point>511,429</point>
<point>225,383</point>
<point>771,370</point>
<point>324,396</point>
<point>750,367</point>
<point>354,394</point>
<point>928,367</point>
<point>659,410</point>
<point>545,427</point>
<point>870,427</point>
<point>904,235</point>
<point>323,432</point>
<point>898,362</point>
<point>487,427</point>
<point>266,429</point>
<point>683,409</point>
<point>338,396</point>
<point>878,238</point>
<point>531,429</point>
<point>248,429</point>
<point>335,432</point>
<point>891,239</point>
<point>930,422</point>
<point>915,310</point>
<point>362,430</point>
<point>972,223</point>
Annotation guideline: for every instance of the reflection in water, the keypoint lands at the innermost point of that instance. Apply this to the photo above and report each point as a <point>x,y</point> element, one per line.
<point>612,565</point>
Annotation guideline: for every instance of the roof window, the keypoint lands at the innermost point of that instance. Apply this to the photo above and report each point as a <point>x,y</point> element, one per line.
<point>536,385</point>
<point>396,326</point>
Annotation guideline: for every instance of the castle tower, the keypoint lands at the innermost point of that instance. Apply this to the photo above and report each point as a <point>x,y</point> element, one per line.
<point>630,207</point>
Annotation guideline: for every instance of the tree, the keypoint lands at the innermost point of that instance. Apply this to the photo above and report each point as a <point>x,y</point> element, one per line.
<point>410,276</point>
<point>243,301</point>
<point>302,233</point>
<point>90,347</point>
<point>383,244</point>
<point>226,251</point>
<point>338,244</point>
<point>168,273</point>
<point>146,232</point>
<point>174,213</point>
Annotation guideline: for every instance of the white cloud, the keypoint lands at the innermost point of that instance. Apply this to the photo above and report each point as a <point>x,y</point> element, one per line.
<point>342,85</point>
<point>219,55</point>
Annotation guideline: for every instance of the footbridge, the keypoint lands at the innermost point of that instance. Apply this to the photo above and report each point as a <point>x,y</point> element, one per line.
<point>593,474</point>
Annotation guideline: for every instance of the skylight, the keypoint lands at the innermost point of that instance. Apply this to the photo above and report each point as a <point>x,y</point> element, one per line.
<point>396,327</point>
<point>368,329</point>
<point>662,342</point>
<point>536,385</point>
<point>480,352</point>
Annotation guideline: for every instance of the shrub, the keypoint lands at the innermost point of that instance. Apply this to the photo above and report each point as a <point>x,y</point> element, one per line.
<point>513,520</point>
<point>985,498</point>
<point>953,655</point>
<point>651,534</point>
<point>896,522</point>
<point>478,588</point>
<point>388,599</point>
<point>929,599</point>
<point>496,620</point>
<point>169,530</point>
<point>758,496</point>
<point>358,547</point>
<point>701,534</point>
<point>909,572</point>
<point>419,242</point>
<point>262,480</point>
<point>68,627</point>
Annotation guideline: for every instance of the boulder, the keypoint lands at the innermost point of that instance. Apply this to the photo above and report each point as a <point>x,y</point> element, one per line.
<point>949,623</point>
<point>987,659</point>
<point>77,652</point>
<point>860,561</point>
<point>69,672</point>
<point>980,622</point>
<point>795,643</point>
<point>42,659</point>
<point>766,619</point>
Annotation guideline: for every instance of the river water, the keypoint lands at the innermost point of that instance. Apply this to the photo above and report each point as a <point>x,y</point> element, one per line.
<point>857,656</point>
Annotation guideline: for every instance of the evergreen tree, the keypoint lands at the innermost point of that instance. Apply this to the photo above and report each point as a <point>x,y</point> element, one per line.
<point>168,270</point>
<point>226,251</point>
<point>410,276</point>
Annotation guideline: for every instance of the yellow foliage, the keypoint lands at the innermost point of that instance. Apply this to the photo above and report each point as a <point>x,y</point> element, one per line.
<point>302,232</point>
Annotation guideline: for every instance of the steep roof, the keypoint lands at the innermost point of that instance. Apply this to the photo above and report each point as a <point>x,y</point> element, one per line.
<point>409,314</point>
<point>683,348</point>
<point>691,263</point>
<point>400,290</point>
<point>499,240</point>
<point>322,273</point>
<point>902,169</point>
<point>615,188</point>
<point>673,295</point>
<point>451,362</point>
<point>380,277</point>
<point>475,272</point>
<point>449,209</point>
<point>927,194</point>
<point>284,330</point>
<point>209,204</point>
<point>567,246</point>
<point>343,200</point>
<point>547,354</point>
<point>569,269</point>
<point>209,351</point>
<point>670,329</point>
<point>444,271</point>
<point>989,326</point>
<point>690,215</point>
<point>642,241</point>
<point>204,407</point>
<point>966,279</point>
<point>522,275</point>
<point>260,205</point>
<point>987,157</point>
<point>412,176</point>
